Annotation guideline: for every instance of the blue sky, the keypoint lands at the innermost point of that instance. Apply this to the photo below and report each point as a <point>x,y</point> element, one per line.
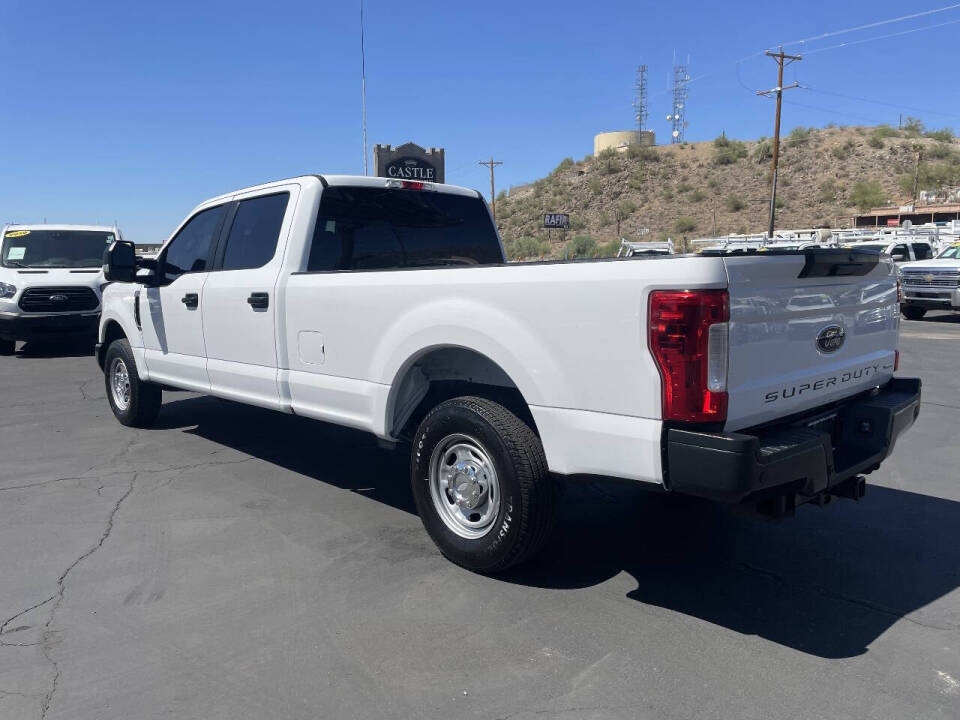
<point>136,112</point>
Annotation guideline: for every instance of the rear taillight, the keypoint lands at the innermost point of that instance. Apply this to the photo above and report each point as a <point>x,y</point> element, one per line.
<point>896,360</point>
<point>688,340</point>
<point>899,290</point>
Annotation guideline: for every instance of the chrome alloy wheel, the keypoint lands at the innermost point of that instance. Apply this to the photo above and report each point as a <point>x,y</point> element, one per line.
<point>464,486</point>
<point>120,384</point>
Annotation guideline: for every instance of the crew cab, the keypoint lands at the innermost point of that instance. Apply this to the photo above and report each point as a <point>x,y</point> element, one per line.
<point>901,250</point>
<point>386,305</point>
<point>50,277</point>
<point>932,284</point>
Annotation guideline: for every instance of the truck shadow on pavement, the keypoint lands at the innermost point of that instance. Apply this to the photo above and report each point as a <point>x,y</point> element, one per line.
<point>827,582</point>
<point>55,349</point>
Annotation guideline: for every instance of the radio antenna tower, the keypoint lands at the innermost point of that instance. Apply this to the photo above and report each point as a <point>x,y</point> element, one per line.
<point>640,99</point>
<point>678,114</point>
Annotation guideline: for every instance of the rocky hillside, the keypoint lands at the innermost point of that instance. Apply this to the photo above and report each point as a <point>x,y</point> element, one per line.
<point>699,189</point>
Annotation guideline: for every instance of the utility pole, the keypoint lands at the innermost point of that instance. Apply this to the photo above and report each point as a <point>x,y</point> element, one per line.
<point>916,172</point>
<point>491,163</point>
<point>363,92</point>
<point>781,61</point>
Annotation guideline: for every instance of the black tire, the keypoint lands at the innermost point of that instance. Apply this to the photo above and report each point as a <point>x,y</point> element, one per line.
<point>527,494</point>
<point>143,402</point>
<point>8,347</point>
<point>911,312</point>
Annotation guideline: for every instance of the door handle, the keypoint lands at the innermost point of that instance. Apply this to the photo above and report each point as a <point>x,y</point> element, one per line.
<point>259,300</point>
<point>191,300</point>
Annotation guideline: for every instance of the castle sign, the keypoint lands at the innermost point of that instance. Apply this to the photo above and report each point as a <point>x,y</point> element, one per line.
<point>409,162</point>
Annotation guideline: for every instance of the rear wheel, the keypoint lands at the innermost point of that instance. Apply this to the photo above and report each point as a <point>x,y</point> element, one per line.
<point>134,403</point>
<point>912,312</point>
<point>481,484</point>
<point>8,347</point>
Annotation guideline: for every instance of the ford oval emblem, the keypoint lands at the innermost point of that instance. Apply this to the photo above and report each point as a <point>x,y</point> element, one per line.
<point>58,298</point>
<point>831,338</point>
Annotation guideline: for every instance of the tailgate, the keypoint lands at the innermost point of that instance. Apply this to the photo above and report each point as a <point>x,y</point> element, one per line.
<point>807,329</point>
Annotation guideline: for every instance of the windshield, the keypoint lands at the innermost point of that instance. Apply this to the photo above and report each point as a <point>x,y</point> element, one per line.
<point>54,248</point>
<point>951,252</point>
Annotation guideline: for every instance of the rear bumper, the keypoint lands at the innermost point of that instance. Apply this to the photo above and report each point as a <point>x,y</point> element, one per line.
<point>806,458</point>
<point>26,326</point>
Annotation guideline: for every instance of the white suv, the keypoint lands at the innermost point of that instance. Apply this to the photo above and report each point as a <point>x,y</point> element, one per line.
<point>50,278</point>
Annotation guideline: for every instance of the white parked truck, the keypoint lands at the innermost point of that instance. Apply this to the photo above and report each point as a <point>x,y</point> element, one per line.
<point>386,305</point>
<point>932,284</point>
<point>50,278</point>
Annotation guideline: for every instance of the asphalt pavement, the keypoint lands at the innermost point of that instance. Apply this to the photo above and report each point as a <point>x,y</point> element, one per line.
<point>238,563</point>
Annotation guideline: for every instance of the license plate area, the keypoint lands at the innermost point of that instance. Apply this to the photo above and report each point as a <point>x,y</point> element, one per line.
<point>827,423</point>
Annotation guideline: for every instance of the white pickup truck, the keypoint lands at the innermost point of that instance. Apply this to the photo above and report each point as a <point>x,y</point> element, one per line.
<point>386,305</point>
<point>932,284</point>
<point>50,278</point>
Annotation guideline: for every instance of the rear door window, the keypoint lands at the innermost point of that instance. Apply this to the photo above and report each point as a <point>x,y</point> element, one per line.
<point>382,228</point>
<point>255,232</point>
<point>922,251</point>
<point>189,251</point>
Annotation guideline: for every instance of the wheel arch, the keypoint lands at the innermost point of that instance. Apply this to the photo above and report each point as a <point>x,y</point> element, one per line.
<point>110,331</point>
<point>440,372</point>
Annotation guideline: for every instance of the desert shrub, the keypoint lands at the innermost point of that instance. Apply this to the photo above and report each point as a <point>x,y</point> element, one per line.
<point>734,203</point>
<point>626,207</point>
<point>727,151</point>
<point>875,141</point>
<point>944,135</point>
<point>685,224</point>
<point>939,151</point>
<point>596,187</point>
<point>828,190</point>
<point>698,196</point>
<point>609,165</point>
<point>565,164</point>
<point>635,181</point>
<point>577,222</point>
<point>799,136</point>
<point>524,248</point>
<point>763,151</point>
<point>606,154</point>
<point>867,194</point>
<point>581,246</point>
<point>842,152</point>
<point>779,202</point>
<point>603,218</point>
<point>913,127</point>
<point>684,187</point>
<point>884,131</point>
<point>608,249</point>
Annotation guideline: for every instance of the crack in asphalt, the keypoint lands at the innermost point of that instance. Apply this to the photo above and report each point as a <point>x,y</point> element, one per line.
<point>57,599</point>
<point>834,595</point>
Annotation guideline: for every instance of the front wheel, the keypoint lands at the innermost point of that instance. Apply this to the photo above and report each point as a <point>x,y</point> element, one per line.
<point>8,347</point>
<point>134,402</point>
<point>911,312</point>
<point>481,485</point>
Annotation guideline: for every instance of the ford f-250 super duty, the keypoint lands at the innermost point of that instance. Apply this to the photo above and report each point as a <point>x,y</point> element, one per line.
<point>386,305</point>
<point>50,281</point>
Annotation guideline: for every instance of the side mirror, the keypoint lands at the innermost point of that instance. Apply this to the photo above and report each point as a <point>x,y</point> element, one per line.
<point>898,257</point>
<point>120,262</point>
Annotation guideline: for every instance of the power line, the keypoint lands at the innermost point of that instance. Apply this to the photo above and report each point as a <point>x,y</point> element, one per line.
<point>851,43</point>
<point>895,106</point>
<point>878,23</point>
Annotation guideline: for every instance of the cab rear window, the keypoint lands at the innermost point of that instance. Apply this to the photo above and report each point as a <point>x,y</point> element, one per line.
<point>382,228</point>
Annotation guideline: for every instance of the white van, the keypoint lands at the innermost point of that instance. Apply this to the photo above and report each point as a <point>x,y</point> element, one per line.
<point>50,278</point>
